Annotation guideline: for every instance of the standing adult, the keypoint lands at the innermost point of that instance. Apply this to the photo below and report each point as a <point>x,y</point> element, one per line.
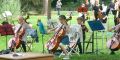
<point>82,10</point>
<point>58,6</point>
<point>116,11</point>
<point>96,9</point>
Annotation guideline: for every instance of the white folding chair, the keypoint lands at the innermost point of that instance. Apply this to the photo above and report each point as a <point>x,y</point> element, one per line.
<point>72,47</point>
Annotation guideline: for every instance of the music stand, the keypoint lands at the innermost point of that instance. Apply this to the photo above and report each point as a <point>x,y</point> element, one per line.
<point>42,31</point>
<point>95,26</point>
<point>6,29</point>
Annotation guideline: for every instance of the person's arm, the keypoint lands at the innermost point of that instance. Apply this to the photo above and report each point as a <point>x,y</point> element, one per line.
<point>61,3</point>
<point>117,28</point>
<point>84,27</point>
<point>67,29</point>
<point>110,30</point>
<point>113,28</point>
<point>105,17</point>
<point>27,26</point>
<point>93,11</point>
<point>53,29</point>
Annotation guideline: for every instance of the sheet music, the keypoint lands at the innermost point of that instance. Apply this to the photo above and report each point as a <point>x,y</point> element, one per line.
<point>7,14</point>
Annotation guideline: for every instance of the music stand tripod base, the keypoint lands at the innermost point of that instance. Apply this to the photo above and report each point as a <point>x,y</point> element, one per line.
<point>96,26</point>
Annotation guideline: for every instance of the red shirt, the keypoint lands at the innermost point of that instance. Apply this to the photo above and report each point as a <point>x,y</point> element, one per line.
<point>82,9</point>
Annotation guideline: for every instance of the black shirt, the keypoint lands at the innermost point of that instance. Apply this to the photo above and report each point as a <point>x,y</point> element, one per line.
<point>96,9</point>
<point>111,6</point>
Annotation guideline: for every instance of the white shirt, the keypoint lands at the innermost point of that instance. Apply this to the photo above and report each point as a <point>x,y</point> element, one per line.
<point>25,26</point>
<point>104,8</point>
<point>59,4</point>
<point>92,2</point>
<point>76,32</point>
<point>116,5</point>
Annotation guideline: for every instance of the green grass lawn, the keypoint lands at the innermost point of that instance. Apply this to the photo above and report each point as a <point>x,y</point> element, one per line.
<point>37,47</point>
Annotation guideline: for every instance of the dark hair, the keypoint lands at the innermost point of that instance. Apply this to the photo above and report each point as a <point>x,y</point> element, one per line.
<point>62,16</point>
<point>39,20</point>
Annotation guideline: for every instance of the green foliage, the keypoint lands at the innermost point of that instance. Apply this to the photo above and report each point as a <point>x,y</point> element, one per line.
<point>31,5</point>
<point>10,5</point>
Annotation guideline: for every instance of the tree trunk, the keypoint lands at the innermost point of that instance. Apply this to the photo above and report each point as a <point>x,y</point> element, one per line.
<point>47,8</point>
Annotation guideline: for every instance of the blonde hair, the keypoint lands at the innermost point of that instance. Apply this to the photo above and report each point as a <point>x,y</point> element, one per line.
<point>21,18</point>
<point>80,18</point>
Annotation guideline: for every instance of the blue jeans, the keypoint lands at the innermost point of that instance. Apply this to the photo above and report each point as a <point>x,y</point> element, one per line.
<point>65,40</point>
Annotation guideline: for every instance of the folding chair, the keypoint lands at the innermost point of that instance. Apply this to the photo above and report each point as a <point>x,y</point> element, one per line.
<point>31,38</point>
<point>29,43</point>
<point>72,47</point>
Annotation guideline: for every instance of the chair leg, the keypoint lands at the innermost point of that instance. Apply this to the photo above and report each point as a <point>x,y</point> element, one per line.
<point>29,47</point>
<point>73,50</point>
<point>61,54</point>
<point>21,49</point>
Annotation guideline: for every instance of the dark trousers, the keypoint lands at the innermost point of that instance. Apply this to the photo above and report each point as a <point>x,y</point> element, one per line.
<point>84,36</point>
<point>58,9</point>
<point>23,45</point>
<point>79,46</point>
<point>114,12</point>
<point>96,15</point>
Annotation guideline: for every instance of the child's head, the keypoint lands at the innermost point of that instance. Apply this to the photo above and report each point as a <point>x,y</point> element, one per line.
<point>21,19</point>
<point>62,19</point>
<point>80,20</point>
<point>83,5</point>
<point>39,20</point>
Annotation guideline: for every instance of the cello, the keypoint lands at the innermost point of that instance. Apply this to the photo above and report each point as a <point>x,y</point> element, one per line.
<point>16,40</point>
<point>54,42</point>
<point>113,44</point>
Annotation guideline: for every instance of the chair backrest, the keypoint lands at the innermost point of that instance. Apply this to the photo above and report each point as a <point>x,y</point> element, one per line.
<point>33,34</point>
<point>72,35</point>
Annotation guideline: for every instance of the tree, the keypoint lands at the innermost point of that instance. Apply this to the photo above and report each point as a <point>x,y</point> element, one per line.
<point>10,5</point>
<point>47,8</point>
<point>31,5</point>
